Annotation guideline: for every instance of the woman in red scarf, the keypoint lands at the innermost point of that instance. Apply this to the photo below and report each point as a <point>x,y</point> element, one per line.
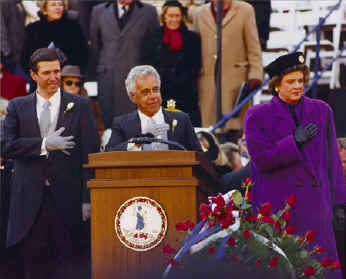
<point>176,53</point>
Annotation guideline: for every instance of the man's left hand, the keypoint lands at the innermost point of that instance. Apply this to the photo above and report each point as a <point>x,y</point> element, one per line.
<point>85,211</point>
<point>254,83</point>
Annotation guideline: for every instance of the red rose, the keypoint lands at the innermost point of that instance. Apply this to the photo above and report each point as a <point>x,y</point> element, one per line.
<point>181,227</point>
<point>231,241</point>
<point>336,265</point>
<point>291,200</point>
<point>274,262</point>
<point>218,200</point>
<point>204,211</point>
<point>167,249</point>
<point>326,262</point>
<point>234,258</point>
<point>189,224</point>
<point>248,196</point>
<point>309,236</point>
<point>290,229</point>
<point>211,250</point>
<point>247,182</point>
<point>258,263</point>
<point>226,222</point>
<point>318,249</point>
<point>286,216</point>
<point>265,209</point>
<point>300,239</point>
<point>246,234</point>
<point>268,220</point>
<point>309,271</point>
<point>250,218</point>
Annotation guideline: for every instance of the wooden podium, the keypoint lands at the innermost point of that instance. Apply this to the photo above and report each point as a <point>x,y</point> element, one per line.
<point>177,180</point>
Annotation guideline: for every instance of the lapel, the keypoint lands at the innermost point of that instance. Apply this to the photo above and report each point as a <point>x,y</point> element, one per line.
<point>307,117</point>
<point>111,19</point>
<point>136,14</point>
<point>168,119</point>
<point>134,123</point>
<point>63,117</point>
<point>207,17</point>
<point>32,113</point>
<point>285,120</point>
<point>230,14</point>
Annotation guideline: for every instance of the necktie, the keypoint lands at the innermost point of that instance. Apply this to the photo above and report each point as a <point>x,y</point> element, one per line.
<point>155,145</point>
<point>45,119</point>
<point>123,18</point>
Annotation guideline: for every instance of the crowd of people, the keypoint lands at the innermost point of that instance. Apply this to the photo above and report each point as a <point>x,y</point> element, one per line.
<point>141,61</point>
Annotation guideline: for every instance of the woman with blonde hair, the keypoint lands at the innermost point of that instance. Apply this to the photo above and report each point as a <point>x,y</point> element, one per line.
<point>56,26</point>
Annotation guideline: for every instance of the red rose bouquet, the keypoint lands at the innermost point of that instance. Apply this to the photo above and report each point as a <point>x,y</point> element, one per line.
<point>230,234</point>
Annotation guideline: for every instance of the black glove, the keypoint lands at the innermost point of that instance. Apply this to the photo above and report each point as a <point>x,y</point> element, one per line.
<point>303,134</point>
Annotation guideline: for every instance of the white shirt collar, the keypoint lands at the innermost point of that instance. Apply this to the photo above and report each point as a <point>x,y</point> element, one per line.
<point>158,117</point>
<point>120,9</point>
<point>55,99</point>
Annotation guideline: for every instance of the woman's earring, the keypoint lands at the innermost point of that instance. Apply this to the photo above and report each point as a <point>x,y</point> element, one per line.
<point>276,89</point>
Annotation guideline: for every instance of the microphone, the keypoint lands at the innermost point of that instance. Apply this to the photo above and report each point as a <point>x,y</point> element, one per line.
<point>143,139</point>
<point>149,138</point>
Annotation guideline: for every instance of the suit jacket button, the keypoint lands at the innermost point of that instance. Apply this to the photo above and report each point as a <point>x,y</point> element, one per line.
<point>299,184</point>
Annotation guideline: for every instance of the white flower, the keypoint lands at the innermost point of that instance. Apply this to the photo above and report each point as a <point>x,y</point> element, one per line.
<point>69,107</point>
<point>174,124</point>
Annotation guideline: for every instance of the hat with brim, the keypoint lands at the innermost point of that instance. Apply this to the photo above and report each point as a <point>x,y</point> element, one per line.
<point>71,71</point>
<point>281,64</point>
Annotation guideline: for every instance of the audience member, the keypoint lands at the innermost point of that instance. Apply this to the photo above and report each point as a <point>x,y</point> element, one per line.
<point>213,152</point>
<point>337,101</point>
<point>244,154</point>
<point>118,31</point>
<point>231,150</point>
<point>11,86</point>
<point>262,11</point>
<point>72,82</point>
<point>49,134</point>
<point>176,54</point>
<point>293,149</point>
<point>143,87</point>
<point>12,34</point>
<point>241,57</point>
<point>55,26</point>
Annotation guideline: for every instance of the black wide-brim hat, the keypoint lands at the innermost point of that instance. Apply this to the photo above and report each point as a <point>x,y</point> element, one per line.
<point>278,66</point>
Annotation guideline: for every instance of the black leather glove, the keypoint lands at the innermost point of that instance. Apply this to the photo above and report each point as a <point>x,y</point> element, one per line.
<point>303,134</point>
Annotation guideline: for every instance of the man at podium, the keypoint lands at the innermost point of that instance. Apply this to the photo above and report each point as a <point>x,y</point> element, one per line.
<point>150,127</point>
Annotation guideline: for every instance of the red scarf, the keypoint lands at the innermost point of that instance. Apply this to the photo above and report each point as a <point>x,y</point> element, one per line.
<point>172,38</point>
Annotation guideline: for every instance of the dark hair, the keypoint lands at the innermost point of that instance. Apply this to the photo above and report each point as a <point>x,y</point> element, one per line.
<point>275,81</point>
<point>42,54</point>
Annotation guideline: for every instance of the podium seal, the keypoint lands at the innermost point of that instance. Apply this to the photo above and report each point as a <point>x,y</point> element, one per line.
<point>140,223</point>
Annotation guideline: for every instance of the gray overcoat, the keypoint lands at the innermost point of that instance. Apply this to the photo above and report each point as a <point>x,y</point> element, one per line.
<point>115,52</point>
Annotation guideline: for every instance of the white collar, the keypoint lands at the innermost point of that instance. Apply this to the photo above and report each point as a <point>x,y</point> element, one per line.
<point>54,99</point>
<point>157,117</point>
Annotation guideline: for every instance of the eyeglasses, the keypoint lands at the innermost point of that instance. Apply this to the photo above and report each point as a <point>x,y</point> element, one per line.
<point>76,83</point>
<point>147,91</point>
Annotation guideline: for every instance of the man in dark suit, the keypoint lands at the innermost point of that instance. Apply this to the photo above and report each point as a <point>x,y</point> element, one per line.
<point>49,134</point>
<point>118,31</point>
<point>143,87</point>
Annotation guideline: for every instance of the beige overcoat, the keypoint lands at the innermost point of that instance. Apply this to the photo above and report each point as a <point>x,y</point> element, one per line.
<point>241,58</point>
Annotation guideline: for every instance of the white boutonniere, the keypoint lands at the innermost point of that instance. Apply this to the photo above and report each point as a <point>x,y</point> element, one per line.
<point>174,124</point>
<point>69,107</point>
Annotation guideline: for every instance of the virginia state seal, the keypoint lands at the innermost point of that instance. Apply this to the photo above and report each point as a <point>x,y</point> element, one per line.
<point>140,223</point>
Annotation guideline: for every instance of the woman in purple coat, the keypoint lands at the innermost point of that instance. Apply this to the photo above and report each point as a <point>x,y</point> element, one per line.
<point>293,149</point>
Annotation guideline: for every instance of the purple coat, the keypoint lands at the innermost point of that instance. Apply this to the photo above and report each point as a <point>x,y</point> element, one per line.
<point>313,173</point>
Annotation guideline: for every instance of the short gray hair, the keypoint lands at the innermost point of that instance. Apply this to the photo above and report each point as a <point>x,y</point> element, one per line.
<point>137,72</point>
